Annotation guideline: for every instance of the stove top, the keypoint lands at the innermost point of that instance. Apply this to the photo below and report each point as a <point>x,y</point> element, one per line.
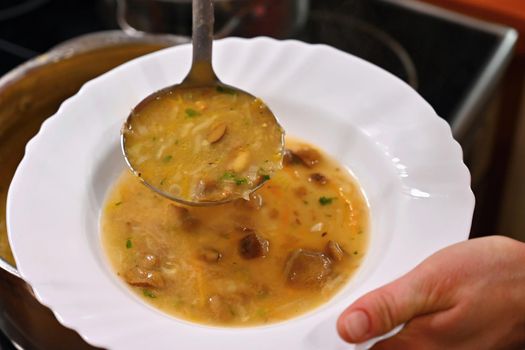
<point>5,344</point>
<point>441,55</point>
<point>31,27</point>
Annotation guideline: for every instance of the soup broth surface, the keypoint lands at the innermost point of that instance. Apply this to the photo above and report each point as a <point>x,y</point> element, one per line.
<point>288,249</point>
<point>204,144</point>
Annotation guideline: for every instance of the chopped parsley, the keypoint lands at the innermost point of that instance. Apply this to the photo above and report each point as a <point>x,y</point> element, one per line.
<point>225,90</point>
<point>241,181</point>
<point>190,113</point>
<point>148,293</point>
<point>266,177</point>
<point>129,244</point>
<point>325,200</point>
<point>118,203</point>
<point>167,159</point>
<point>228,176</point>
<point>231,177</point>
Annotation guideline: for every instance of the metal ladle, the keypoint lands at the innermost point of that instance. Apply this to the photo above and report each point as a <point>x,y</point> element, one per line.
<point>201,74</point>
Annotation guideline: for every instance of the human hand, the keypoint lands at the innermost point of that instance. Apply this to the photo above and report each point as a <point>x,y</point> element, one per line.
<point>470,295</point>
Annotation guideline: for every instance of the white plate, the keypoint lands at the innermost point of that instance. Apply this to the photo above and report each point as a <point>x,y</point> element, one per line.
<point>402,153</point>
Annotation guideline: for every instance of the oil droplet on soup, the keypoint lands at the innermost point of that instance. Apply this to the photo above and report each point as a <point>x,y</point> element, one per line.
<point>206,144</point>
<point>283,252</point>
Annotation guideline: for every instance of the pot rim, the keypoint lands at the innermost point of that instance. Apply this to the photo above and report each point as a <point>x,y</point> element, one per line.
<point>6,266</point>
<point>85,43</point>
<point>75,46</point>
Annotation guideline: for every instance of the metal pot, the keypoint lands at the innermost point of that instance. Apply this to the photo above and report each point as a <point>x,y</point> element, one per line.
<point>248,18</point>
<point>28,95</point>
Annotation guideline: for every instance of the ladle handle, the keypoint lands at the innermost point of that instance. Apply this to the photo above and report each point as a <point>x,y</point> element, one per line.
<point>201,72</point>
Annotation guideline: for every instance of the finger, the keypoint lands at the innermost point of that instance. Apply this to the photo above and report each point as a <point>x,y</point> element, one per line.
<point>383,309</point>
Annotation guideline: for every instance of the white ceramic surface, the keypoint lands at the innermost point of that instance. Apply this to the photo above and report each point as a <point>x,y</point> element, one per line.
<point>402,153</point>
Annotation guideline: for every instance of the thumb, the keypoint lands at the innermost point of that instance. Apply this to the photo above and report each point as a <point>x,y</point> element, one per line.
<point>381,310</point>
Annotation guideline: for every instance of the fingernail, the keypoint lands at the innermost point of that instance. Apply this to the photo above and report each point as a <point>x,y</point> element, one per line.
<point>357,324</point>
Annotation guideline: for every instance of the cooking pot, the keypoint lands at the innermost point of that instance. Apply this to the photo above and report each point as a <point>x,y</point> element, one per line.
<point>275,18</point>
<point>28,95</point>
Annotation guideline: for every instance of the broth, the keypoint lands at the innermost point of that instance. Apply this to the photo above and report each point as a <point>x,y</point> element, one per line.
<point>204,144</point>
<point>288,249</point>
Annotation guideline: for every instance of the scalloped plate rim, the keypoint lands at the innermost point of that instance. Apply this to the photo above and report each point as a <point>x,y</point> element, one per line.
<point>49,124</point>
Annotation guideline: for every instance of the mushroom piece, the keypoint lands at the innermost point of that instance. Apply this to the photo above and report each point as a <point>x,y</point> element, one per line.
<point>253,246</point>
<point>210,255</point>
<point>305,268</point>
<point>318,178</point>
<point>309,156</point>
<point>216,133</point>
<point>183,217</point>
<point>209,190</point>
<point>140,277</point>
<point>334,251</point>
<point>289,157</point>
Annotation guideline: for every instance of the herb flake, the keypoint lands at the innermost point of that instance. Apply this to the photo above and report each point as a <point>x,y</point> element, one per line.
<point>191,113</point>
<point>129,244</point>
<point>232,177</point>
<point>241,181</point>
<point>225,90</point>
<point>325,200</point>
<point>148,293</point>
<point>228,176</point>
